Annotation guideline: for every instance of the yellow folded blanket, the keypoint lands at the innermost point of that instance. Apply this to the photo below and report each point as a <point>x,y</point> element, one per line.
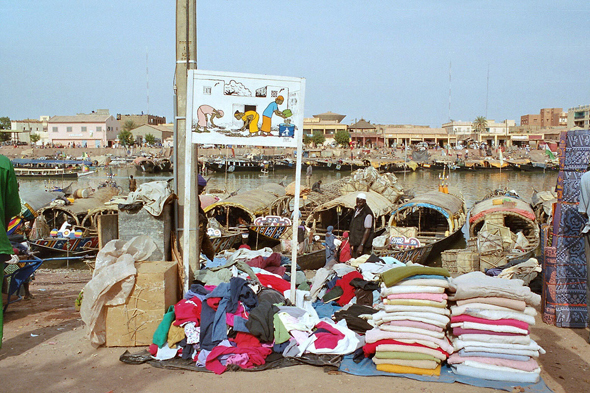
<point>391,368</point>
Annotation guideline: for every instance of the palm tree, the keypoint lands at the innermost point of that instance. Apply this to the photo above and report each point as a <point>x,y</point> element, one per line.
<point>129,125</point>
<point>480,124</point>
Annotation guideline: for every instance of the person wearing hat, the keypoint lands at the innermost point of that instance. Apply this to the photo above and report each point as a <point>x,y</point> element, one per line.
<point>361,227</point>
<point>206,245</point>
<point>245,242</point>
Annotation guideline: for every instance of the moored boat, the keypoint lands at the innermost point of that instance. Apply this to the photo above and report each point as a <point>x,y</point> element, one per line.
<point>423,225</point>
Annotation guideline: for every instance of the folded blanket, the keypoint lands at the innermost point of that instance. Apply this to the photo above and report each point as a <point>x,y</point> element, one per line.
<point>393,276</point>
<point>375,335</point>
<point>405,329</point>
<point>422,309</point>
<point>529,365</point>
<point>425,364</point>
<point>415,324</point>
<point>425,282</point>
<point>522,358</point>
<point>493,328</point>
<point>457,331</point>
<point>390,368</point>
<point>410,289</point>
<point>500,313</point>
<point>405,355</point>
<point>435,297</point>
<point>383,316</point>
<point>415,302</point>
<point>476,284</point>
<point>517,305</point>
<point>488,338</point>
<point>407,348</point>
<point>500,347</point>
<point>509,376</point>
<point>496,322</point>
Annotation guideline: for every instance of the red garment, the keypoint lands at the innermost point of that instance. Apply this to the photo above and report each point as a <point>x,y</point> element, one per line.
<point>153,349</point>
<point>271,264</point>
<point>247,247</point>
<point>506,322</point>
<point>273,282</point>
<point>345,254</point>
<point>327,339</point>
<point>246,340</point>
<point>256,357</point>
<point>348,290</point>
<point>370,348</point>
<point>459,331</point>
<point>188,311</point>
<point>213,302</point>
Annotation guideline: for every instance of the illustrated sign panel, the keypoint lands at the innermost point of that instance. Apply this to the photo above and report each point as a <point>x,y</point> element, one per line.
<point>245,109</point>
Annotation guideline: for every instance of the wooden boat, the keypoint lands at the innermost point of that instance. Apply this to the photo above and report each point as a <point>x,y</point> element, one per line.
<point>339,212</point>
<point>423,225</point>
<point>243,209</point>
<point>234,165</point>
<point>144,164</point>
<point>503,215</point>
<point>313,260</point>
<point>225,239</point>
<point>162,165</point>
<point>65,246</point>
<point>52,169</point>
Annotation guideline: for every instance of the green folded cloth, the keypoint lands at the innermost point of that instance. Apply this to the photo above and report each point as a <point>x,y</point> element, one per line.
<point>404,355</point>
<point>334,294</point>
<point>397,274</point>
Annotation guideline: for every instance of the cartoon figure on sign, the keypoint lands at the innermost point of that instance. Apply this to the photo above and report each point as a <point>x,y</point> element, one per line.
<point>250,119</point>
<point>202,113</point>
<point>271,109</point>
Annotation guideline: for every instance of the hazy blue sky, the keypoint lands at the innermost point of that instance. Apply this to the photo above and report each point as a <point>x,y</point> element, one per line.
<point>385,61</point>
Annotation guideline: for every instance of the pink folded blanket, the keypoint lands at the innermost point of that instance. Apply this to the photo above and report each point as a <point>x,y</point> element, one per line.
<point>415,324</point>
<point>529,365</point>
<point>506,322</point>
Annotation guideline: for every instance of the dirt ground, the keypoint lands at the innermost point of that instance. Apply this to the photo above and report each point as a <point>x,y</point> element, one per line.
<point>45,350</point>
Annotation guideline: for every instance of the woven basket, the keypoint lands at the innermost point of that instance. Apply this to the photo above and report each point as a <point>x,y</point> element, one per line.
<point>449,260</point>
<point>467,261</point>
<point>492,260</point>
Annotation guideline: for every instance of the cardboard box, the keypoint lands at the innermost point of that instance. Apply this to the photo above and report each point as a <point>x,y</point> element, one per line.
<point>134,323</point>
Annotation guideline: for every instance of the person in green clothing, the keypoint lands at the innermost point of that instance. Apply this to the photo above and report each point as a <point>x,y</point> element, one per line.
<point>9,207</point>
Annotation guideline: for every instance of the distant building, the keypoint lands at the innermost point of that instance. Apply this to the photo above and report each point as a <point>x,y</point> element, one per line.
<point>160,132</point>
<point>363,133</point>
<point>396,135</point>
<point>24,128</point>
<point>549,117</point>
<point>142,119</point>
<point>578,117</point>
<point>494,134</point>
<point>327,123</point>
<point>96,129</point>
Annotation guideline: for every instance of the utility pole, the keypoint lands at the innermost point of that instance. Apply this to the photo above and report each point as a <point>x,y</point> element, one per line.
<point>186,59</point>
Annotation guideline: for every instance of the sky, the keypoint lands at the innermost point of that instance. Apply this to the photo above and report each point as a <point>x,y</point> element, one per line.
<point>387,61</point>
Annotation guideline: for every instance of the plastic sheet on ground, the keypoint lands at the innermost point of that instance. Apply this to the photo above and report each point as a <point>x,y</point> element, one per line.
<point>367,368</point>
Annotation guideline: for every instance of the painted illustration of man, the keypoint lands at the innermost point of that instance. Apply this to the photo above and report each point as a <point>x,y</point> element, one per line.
<point>202,113</point>
<point>250,119</point>
<point>272,108</point>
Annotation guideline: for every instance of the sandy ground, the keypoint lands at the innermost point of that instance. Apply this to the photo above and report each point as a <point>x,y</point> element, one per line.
<point>45,350</point>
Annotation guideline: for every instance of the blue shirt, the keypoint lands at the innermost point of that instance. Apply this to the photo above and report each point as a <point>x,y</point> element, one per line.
<point>270,109</point>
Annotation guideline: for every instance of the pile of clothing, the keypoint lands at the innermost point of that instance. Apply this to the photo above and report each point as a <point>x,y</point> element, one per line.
<point>410,329</point>
<point>247,322</point>
<point>490,324</point>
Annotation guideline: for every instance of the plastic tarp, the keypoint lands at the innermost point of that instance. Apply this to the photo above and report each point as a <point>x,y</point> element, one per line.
<point>153,195</point>
<point>112,282</point>
<point>255,202</point>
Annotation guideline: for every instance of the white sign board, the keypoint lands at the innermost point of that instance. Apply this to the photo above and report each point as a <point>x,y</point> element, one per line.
<point>245,109</point>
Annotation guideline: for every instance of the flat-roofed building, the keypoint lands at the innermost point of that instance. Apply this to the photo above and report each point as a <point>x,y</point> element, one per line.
<point>548,117</point>
<point>396,135</point>
<point>578,117</point>
<point>142,119</point>
<point>96,129</point>
<point>328,124</point>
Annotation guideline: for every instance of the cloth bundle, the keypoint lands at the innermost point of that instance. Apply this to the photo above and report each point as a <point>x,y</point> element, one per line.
<point>490,324</point>
<point>409,335</point>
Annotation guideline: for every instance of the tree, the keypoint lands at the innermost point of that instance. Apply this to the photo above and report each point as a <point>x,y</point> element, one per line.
<point>4,125</point>
<point>150,139</point>
<point>129,125</point>
<point>307,139</point>
<point>34,138</point>
<point>318,138</point>
<point>126,138</point>
<point>342,138</point>
<point>480,124</point>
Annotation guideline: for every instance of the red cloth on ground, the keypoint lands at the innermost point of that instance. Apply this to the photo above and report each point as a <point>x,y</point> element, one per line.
<point>188,311</point>
<point>370,348</point>
<point>271,264</point>
<point>256,357</point>
<point>459,331</point>
<point>348,290</point>
<point>273,282</point>
<point>507,322</point>
<point>327,339</point>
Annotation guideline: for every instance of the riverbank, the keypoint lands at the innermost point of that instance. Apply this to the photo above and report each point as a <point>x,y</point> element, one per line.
<point>45,349</point>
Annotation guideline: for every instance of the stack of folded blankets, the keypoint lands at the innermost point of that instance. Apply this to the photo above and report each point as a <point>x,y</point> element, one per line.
<point>490,325</point>
<point>409,336</point>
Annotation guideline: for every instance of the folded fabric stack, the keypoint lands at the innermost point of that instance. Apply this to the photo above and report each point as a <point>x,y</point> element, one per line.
<point>410,329</point>
<point>490,323</point>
